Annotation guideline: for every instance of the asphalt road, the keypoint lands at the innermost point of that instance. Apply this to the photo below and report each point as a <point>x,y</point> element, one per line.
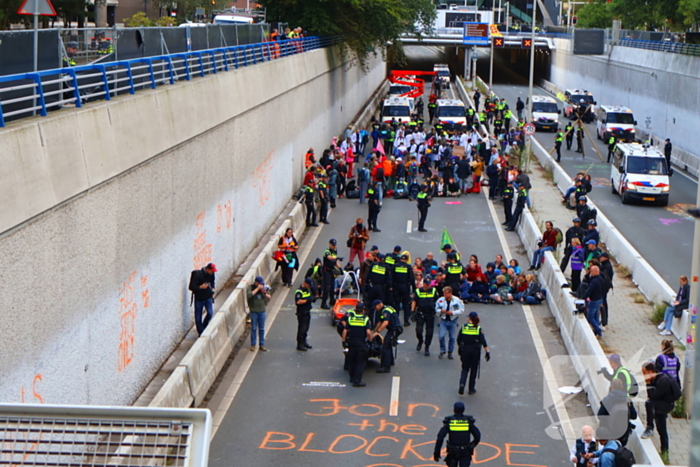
<point>663,235</point>
<point>297,408</point>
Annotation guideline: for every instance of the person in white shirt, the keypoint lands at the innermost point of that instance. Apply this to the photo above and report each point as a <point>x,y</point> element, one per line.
<point>449,308</point>
<point>584,445</point>
<point>464,139</point>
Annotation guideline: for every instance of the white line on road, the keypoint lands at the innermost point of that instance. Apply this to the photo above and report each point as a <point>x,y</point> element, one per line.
<point>409,226</point>
<point>394,404</point>
<point>550,379</point>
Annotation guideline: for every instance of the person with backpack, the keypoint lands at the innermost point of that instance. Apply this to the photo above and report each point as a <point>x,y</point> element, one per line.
<point>363,181</point>
<point>662,393</point>
<point>611,452</point>
<point>668,362</point>
<point>548,243</point>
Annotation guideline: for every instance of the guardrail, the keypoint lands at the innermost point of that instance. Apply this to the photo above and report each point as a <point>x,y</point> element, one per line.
<point>662,46</point>
<point>26,94</point>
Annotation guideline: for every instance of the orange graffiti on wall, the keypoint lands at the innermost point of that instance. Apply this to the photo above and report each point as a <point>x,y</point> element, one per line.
<point>224,216</point>
<point>127,322</point>
<point>202,249</point>
<point>262,177</point>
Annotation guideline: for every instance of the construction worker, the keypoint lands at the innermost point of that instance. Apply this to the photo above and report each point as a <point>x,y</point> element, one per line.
<point>464,436</point>
<point>378,282</point>
<point>612,145</point>
<point>569,133</point>
<point>403,282</point>
<point>557,144</point>
<point>330,261</point>
<point>356,334</point>
<point>469,342</point>
<point>423,204</point>
<point>424,312</point>
<point>389,320</point>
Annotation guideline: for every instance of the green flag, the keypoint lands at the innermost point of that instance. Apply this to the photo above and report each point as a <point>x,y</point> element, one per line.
<point>447,238</point>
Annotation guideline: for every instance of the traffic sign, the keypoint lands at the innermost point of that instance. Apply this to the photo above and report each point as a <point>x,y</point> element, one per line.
<point>529,129</point>
<point>37,7</point>
<point>526,43</point>
<point>498,42</point>
<point>476,34</point>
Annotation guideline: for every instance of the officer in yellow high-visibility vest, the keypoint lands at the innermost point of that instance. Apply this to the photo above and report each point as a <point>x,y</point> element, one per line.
<point>470,341</point>
<point>557,144</point>
<point>355,335</point>
<point>611,146</point>
<point>464,436</point>
<point>423,204</point>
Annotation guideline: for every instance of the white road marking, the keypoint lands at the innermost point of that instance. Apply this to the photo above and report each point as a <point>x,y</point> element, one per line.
<point>557,398</point>
<point>324,384</point>
<point>409,226</point>
<point>394,404</point>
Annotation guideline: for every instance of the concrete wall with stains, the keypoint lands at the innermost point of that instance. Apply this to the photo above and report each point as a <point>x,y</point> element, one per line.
<point>107,209</point>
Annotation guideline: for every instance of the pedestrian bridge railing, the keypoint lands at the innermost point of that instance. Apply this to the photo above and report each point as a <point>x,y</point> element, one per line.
<point>27,94</point>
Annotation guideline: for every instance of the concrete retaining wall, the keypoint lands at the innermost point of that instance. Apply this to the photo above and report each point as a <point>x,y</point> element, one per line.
<point>125,198</point>
<point>663,86</point>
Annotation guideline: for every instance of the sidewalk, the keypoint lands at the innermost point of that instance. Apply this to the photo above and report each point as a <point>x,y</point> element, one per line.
<point>630,331</point>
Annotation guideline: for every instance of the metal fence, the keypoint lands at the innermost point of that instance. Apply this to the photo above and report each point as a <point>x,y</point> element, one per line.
<point>26,94</point>
<point>662,46</point>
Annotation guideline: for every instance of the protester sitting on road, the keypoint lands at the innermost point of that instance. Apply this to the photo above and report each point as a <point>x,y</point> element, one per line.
<point>491,273</point>
<point>513,263</point>
<point>530,295</point>
<point>479,290</point>
<point>472,270</point>
<point>500,292</point>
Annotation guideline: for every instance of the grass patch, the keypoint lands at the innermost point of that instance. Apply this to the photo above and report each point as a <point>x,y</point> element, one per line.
<point>680,346</point>
<point>657,316</point>
<point>638,298</point>
<point>623,271</point>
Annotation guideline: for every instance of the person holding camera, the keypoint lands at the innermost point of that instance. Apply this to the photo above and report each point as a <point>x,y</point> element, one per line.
<point>304,299</point>
<point>203,287</point>
<point>258,295</point>
<point>357,239</point>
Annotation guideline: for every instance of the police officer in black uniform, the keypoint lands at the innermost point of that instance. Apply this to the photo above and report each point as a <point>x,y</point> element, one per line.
<point>519,206</point>
<point>453,272</point>
<point>575,231</point>
<point>304,299</point>
<point>579,138</point>
<point>389,320</point>
<point>424,311</point>
<point>323,196</point>
<point>464,436</point>
<point>569,133</point>
<point>374,207</point>
<point>404,282</point>
<point>330,261</point>
<point>470,341</point>
<point>508,195</point>
<point>308,197</point>
<point>432,106</point>
<point>356,334</point>
<point>378,282</point>
<point>423,204</point>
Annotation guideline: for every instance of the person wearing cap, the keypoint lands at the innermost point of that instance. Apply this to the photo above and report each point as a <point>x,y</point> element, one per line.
<point>203,287</point>
<point>388,319</point>
<point>357,332</point>
<point>71,51</point>
<point>464,437</point>
<point>375,206</point>
<point>309,200</point>
<point>453,271</point>
<point>423,203</point>
<point>393,257</point>
<point>519,206</point>
<point>447,248</point>
<point>423,308</point>
<point>630,385</point>
<point>257,297</point>
<point>583,211</point>
<point>575,231</point>
<point>378,282</point>
<point>592,252</point>
<point>304,299</point>
<point>323,197</point>
<point>449,308</point>
<point>470,341</point>
<point>404,282</point>
<point>591,232</point>
<point>330,262</point>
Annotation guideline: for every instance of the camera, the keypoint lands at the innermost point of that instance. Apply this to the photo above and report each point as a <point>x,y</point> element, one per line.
<point>540,243</point>
<point>600,372</point>
<point>267,288</point>
<point>580,307</point>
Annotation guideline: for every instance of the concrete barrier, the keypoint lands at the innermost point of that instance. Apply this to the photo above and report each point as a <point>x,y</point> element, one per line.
<point>176,392</point>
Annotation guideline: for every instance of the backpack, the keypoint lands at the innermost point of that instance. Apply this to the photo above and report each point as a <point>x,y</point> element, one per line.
<point>560,235</point>
<point>413,168</point>
<point>592,213</point>
<point>675,388</point>
<point>380,174</point>
<point>351,186</point>
<point>623,457</point>
<point>363,175</point>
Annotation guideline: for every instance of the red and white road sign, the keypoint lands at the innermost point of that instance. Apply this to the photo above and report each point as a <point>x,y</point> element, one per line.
<point>37,7</point>
<point>529,129</point>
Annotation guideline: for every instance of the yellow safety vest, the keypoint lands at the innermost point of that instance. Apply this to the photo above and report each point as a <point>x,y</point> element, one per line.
<point>471,330</point>
<point>401,269</point>
<point>459,425</point>
<point>377,269</point>
<point>358,321</point>
<point>453,268</point>
<point>423,294</point>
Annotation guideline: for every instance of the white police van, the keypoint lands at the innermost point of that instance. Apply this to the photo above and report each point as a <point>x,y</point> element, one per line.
<point>615,120</point>
<point>397,109</point>
<point>545,113</point>
<point>639,173</point>
<point>451,114</point>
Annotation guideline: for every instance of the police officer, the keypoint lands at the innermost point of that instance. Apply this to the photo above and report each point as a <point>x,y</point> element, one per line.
<point>557,144</point>
<point>393,257</point>
<point>464,436</point>
<point>389,320</point>
<point>330,261</point>
<point>432,106</point>
<point>71,52</point>
<point>579,138</point>
<point>497,125</point>
<point>611,146</point>
<point>470,341</point>
<point>583,211</point>
<point>374,207</point>
<point>323,196</point>
<point>304,299</point>
<point>508,195</point>
<point>423,204</point>
<point>355,335</point>
<point>447,248</point>
<point>569,133</point>
<point>404,282</point>
<point>470,117</point>
<point>519,206</point>
<point>308,198</point>
<point>424,312</point>
<point>453,272</point>
<point>575,231</point>
<point>378,281</point>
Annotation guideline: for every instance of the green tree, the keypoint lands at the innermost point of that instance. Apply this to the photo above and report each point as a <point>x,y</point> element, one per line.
<point>138,20</point>
<point>8,13</point>
<point>595,15</point>
<point>365,26</point>
<point>690,12</point>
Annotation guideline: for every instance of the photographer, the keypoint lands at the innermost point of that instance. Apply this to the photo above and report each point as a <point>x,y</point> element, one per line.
<point>357,239</point>
<point>257,296</point>
<point>202,285</point>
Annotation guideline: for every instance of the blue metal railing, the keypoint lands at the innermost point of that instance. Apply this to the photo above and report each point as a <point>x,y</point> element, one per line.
<point>662,46</point>
<point>27,94</point>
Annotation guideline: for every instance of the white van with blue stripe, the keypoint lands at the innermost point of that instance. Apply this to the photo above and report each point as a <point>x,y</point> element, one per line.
<point>639,173</point>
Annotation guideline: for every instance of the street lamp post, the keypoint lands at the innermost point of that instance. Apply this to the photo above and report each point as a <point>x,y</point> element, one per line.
<point>532,79</point>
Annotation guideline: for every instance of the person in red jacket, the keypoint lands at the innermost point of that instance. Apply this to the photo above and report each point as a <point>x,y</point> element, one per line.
<point>473,270</point>
<point>548,243</point>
